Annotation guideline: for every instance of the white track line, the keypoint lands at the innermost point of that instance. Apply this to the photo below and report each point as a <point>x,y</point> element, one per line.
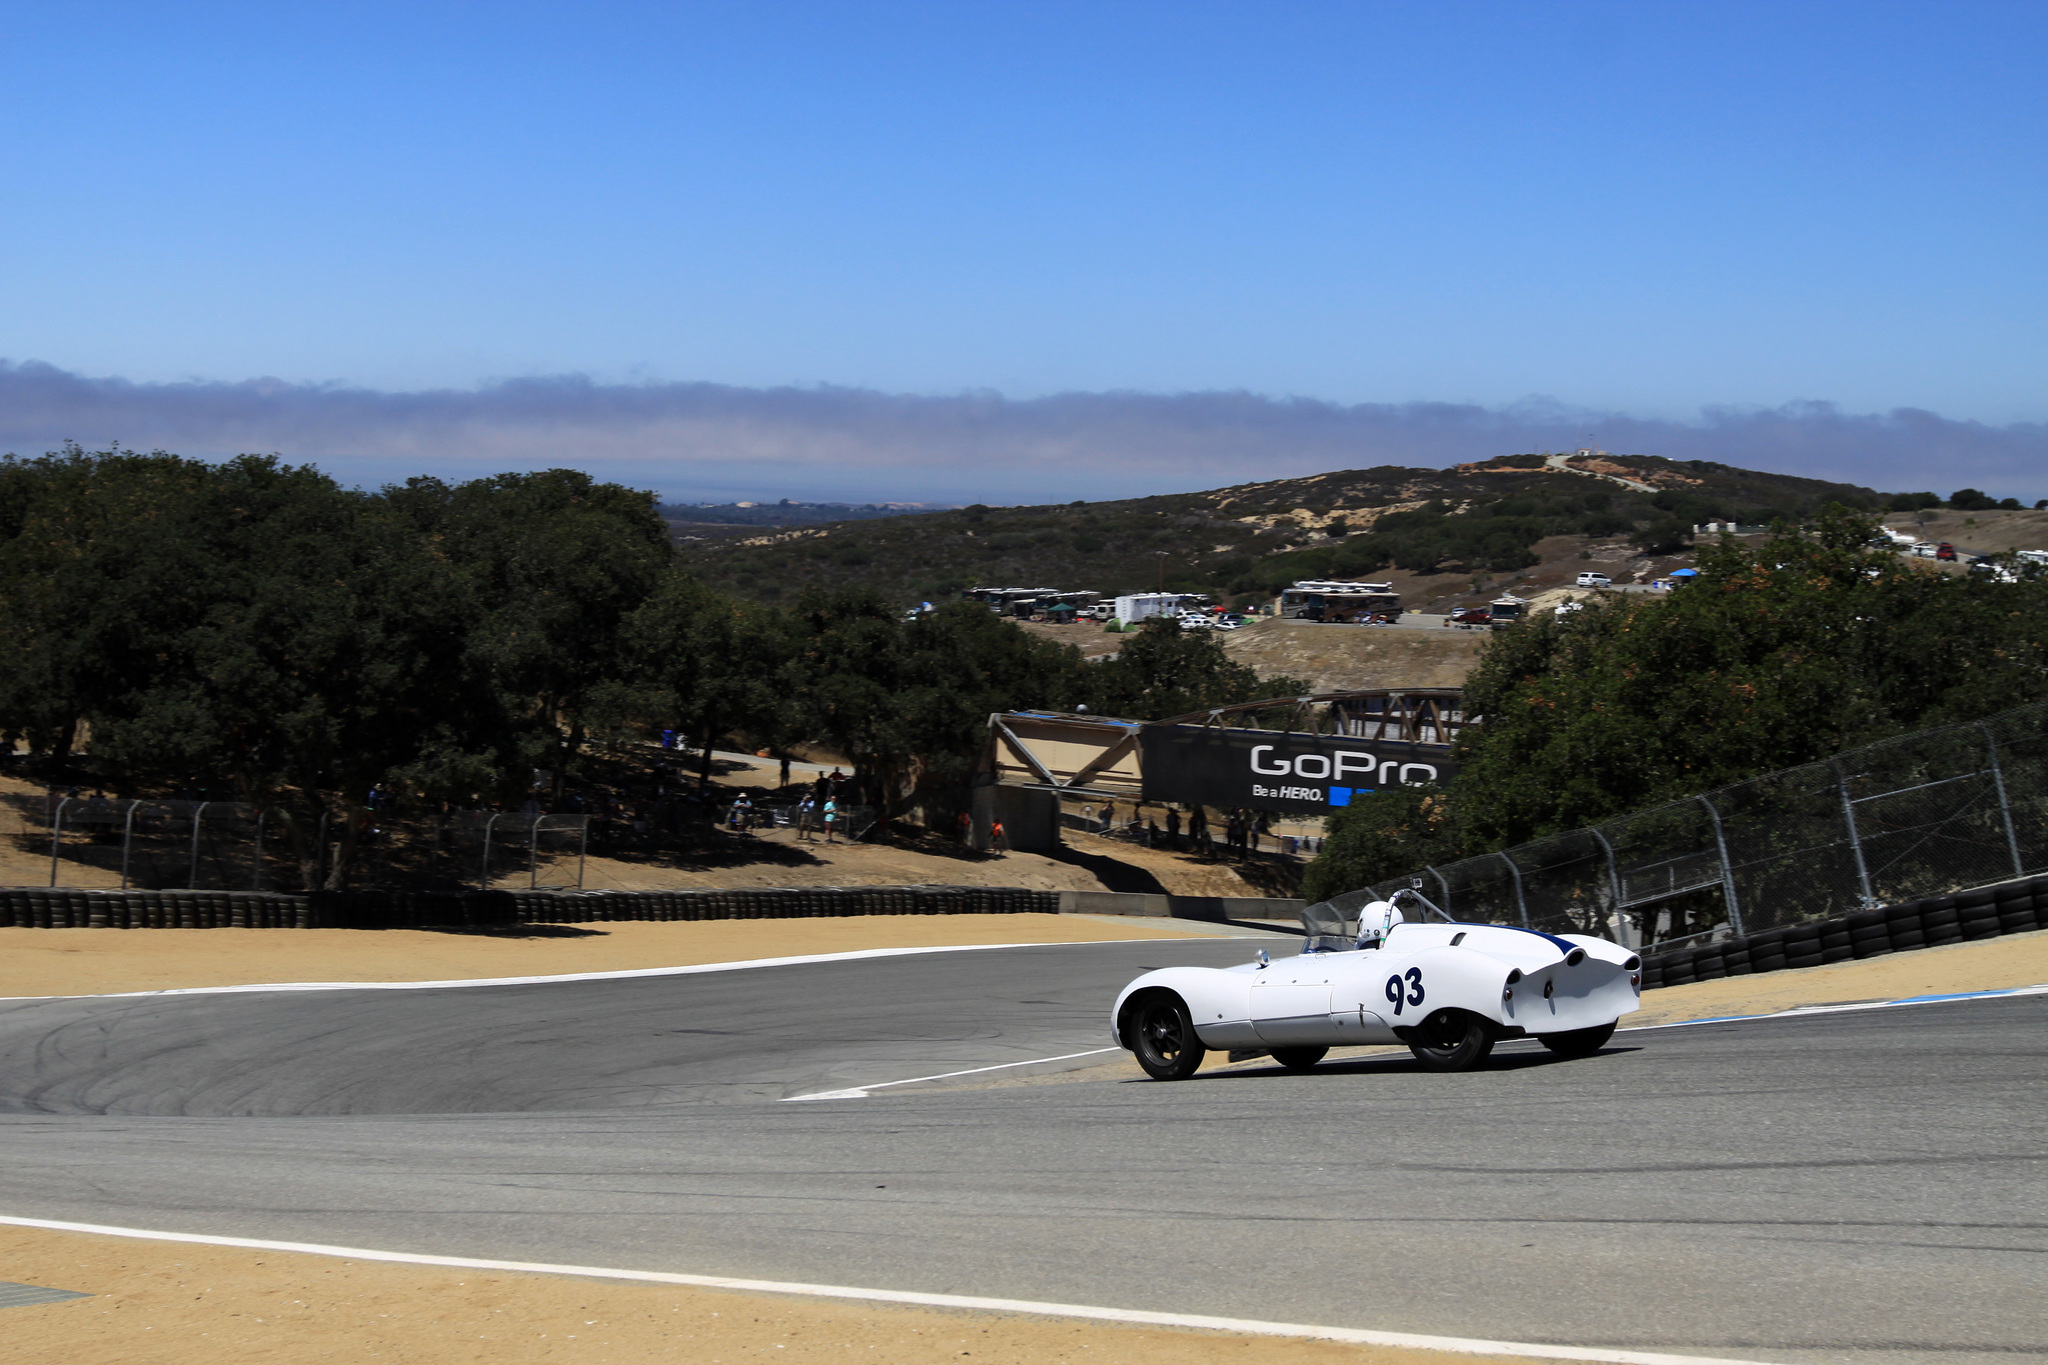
<point>1245,1326</point>
<point>746,965</point>
<point>861,1092</point>
<point>1801,1011</point>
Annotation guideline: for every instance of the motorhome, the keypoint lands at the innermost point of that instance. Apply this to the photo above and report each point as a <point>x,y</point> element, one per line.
<point>1502,611</point>
<point>1025,603</point>
<point>1312,599</point>
<point>1143,606</point>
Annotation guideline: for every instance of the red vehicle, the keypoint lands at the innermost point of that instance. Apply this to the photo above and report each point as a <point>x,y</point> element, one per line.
<point>1945,551</point>
<point>1470,616</point>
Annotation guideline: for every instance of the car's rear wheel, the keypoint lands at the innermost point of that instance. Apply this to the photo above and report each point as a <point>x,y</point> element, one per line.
<point>1162,1035</point>
<point>1299,1058</point>
<point>1451,1040</point>
<point>1580,1042</point>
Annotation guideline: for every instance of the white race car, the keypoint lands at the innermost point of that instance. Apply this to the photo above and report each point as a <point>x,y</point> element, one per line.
<point>1449,991</point>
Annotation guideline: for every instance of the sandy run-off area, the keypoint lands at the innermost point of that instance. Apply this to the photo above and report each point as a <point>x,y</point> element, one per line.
<point>157,1302</point>
<point>104,961</point>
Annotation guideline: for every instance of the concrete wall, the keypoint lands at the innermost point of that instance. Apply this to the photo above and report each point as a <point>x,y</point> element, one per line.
<point>1214,909</point>
<point>1031,819</point>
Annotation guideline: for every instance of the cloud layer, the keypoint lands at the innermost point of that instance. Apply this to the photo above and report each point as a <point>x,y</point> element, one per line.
<point>718,441</point>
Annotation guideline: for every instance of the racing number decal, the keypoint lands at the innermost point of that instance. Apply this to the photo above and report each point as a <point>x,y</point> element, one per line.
<point>1410,995</point>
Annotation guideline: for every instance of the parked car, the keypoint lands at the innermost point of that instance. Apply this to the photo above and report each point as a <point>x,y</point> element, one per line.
<point>1594,579</point>
<point>1469,616</point>
<point>1924,548</point>
<point>1945,551</point>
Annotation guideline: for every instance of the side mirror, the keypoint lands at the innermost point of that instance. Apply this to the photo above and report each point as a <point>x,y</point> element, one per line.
<point>1263,960</point>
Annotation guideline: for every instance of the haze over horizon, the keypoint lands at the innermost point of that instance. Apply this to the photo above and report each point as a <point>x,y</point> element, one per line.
<point>691,442</point>
<point>1032,252</point>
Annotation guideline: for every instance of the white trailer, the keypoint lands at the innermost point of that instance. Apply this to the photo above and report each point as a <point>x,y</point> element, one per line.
<point>1143,606</point>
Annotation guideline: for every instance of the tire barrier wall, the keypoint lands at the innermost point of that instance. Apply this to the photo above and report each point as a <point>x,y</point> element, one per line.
<point>2009,908</point>
<point>58,908</point>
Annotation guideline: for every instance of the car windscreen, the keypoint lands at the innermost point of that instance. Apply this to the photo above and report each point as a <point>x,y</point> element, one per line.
<point>1337,916</point>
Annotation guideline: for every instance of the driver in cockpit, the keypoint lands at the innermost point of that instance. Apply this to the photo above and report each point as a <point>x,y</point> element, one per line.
<point>1375,921</point>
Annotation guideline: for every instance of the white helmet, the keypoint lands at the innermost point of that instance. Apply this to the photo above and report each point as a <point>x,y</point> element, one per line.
<point>1374,922</point>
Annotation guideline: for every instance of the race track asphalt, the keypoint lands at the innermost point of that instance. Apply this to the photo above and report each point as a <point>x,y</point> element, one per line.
<point>1863,1187</point>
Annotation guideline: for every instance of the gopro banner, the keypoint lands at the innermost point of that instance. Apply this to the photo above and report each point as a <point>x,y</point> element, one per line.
<point>1267,770</point>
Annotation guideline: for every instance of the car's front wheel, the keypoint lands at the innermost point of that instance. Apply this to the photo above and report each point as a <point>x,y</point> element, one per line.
<point>1580,1042</point>
<point>1451,1040</point>
<point>1162,1035</point>
<point>1299,1058</point>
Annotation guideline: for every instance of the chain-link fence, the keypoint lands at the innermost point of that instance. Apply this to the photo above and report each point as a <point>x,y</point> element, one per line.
<point>98,843</point>
<point>851,823</point>
<point>1920,815</point>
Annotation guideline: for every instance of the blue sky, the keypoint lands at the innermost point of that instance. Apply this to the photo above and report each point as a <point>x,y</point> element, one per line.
<point>1644,210</point>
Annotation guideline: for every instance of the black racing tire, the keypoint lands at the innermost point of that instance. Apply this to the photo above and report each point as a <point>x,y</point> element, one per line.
<point>1451,1040</point>
<point>1299,1058</point>
<point>1162,1036</point>
<point>1580,1042</point>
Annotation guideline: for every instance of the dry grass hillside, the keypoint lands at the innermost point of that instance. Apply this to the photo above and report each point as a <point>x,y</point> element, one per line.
<point>1244,541</point>
<point>1346,658</point>
<point>1979,533</point>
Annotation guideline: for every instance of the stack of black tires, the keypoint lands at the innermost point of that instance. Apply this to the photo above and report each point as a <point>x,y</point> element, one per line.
<point>66,908</point>
<point>2011,908</point>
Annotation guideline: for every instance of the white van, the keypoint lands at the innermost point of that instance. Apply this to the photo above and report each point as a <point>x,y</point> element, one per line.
<point>1592,578</point>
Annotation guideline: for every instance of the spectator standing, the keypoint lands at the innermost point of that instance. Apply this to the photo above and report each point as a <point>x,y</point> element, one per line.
<point>831,817</point>
<point>998,841</point>
<point>1173,828</point>
<point>1198,830</point>
<point>806,817</point>
<point>1108,817</point>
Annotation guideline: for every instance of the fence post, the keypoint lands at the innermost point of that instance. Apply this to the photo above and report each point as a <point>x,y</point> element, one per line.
<point>1613,872</point>
<point>57,837</point>
<point>1521,906</point>
<point>320,855</point>
<point>127,840</point>
<point>582,851</point>
<point>1855,839</point>
<point>484,879</point>
<point>2012,840</point>
<point>192,878</point>
<point>256,879</point>
<point>1727,871</point>
<point>533,854</point>
<point>1446,888</point>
